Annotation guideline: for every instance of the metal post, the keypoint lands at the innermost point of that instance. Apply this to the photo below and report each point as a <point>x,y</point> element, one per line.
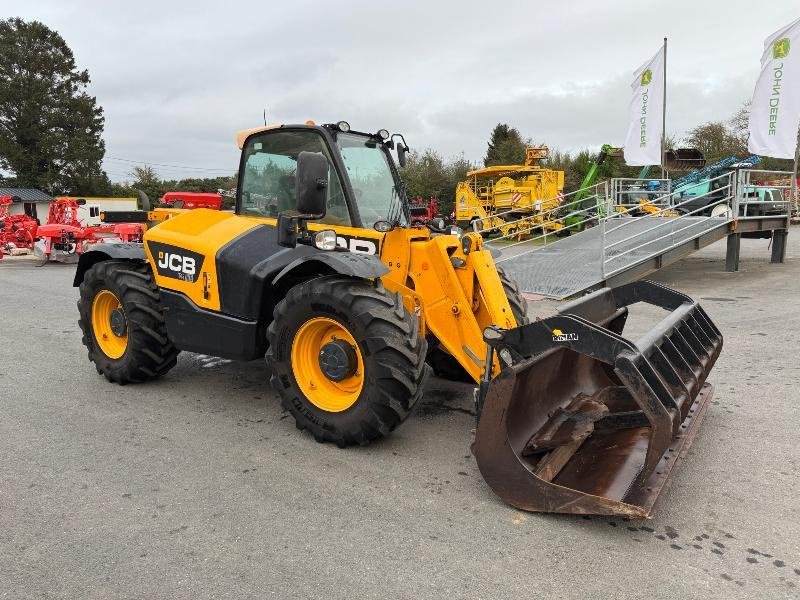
<point>779,245</point>
<point>664,116</point>
<point>732,254</point>
<point>603,217</point>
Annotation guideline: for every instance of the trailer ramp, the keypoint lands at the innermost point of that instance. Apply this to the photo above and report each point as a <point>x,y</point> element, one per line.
<point>627,250</point>
<point>609,248</point>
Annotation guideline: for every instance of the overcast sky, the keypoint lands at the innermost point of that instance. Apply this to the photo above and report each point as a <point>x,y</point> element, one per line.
<point>177,79</point>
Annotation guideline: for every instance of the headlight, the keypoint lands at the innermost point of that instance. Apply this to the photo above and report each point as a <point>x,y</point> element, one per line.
<point>383,134</point>
<point>325,239</point>
<point>383,226</point>
<point>343,126</point>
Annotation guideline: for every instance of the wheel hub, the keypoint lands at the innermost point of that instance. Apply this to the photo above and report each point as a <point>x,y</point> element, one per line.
<point>338,360</point>
<point>119,325</point>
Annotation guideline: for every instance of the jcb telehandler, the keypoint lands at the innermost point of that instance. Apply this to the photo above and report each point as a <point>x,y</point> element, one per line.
<point>319,270</point>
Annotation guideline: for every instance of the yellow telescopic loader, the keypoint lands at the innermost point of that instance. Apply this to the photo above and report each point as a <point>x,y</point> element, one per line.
<point>319,271</point>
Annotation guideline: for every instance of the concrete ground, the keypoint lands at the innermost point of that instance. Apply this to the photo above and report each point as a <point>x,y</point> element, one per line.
<point>199,486</point>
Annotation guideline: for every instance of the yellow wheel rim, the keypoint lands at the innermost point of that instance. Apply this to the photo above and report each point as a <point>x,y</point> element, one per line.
<point>106,306</point>
<point>321,391</point>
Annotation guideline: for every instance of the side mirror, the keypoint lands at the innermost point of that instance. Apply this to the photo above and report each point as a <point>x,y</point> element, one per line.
<point>311,183</point>
<point>402,150</point>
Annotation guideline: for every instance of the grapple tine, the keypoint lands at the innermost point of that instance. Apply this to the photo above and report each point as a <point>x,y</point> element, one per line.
<point>587,421</point>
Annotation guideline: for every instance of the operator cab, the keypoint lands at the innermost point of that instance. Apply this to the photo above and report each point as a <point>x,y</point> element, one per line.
<point>363,186</point>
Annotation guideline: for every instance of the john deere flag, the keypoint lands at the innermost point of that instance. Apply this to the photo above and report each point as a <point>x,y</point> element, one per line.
<point>775,110</point>
<point>643,141</point>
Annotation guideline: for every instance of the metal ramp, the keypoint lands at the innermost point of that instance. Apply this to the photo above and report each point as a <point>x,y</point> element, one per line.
<point>577,263</point>
<point>614,247</point>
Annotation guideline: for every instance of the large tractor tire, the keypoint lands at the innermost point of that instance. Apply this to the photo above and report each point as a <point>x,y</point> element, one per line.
<point>347,359</point>
<point>447,367</point>
<point>515,299</point>
<point>123,323</point>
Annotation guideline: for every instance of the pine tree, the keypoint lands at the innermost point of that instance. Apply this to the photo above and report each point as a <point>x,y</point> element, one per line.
<point>50,127</point>
<point>506,147</point>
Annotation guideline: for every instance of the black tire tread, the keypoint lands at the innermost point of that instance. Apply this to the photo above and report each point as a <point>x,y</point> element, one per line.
<point>392,340</point>
<point>150,354</point>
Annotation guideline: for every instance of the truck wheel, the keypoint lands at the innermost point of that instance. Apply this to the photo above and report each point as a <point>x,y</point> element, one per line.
<point>347,359</point>
<point>443,363</point>
<point>123,323</point>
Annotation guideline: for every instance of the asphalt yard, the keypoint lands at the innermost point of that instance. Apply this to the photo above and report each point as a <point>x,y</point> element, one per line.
<point>198,485</point>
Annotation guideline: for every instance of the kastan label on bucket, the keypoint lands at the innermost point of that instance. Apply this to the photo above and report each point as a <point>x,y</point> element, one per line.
<point>560,336</point>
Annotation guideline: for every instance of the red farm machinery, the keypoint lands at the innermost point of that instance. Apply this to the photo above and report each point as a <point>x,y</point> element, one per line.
<point>16,231</point>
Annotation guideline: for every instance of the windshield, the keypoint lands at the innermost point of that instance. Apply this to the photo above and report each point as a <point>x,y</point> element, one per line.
<point>371,177</point>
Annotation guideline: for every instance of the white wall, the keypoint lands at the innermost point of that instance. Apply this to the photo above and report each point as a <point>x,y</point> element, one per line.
<point>103,204</point>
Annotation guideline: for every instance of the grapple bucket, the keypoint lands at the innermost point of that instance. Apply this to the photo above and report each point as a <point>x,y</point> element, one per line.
<point>585,421</point>
<point>684,158</point>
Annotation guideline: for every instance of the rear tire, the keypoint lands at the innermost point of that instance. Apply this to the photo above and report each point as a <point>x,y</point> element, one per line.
<point>388,346</point>
<point>147,352</point>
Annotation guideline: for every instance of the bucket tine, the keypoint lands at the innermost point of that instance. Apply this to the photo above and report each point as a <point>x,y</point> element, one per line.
<point>586,421</point>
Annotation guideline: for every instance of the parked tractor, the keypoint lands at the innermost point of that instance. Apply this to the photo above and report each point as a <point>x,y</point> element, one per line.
<point>347,302</point>
<point>423,211</point>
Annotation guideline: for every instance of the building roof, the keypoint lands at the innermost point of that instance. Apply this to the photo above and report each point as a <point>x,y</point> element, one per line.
<point>25,194</point>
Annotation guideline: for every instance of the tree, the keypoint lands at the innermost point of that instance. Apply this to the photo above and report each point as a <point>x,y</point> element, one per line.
<point>146,179</point>
<point>506,147</point>
<point>50,127</point>
<point>428,174</point>
<point>716,141</point>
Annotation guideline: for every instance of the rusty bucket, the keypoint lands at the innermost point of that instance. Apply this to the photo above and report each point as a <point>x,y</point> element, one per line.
<point>684,158</point>
<point>583,420</point>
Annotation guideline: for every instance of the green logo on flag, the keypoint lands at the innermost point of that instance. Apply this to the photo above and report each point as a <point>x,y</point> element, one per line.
<point>780,49</point>
<point>647,76</point>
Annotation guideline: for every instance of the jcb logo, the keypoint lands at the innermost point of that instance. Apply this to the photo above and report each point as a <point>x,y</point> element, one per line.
<point>176,263</point>
<point>357,245</point>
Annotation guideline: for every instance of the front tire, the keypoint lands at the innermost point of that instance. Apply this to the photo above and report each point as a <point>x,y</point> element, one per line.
<point>372,374</point>
<point>123,323</point>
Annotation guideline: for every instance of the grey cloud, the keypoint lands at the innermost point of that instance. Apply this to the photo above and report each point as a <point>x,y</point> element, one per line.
<point>177,79</point>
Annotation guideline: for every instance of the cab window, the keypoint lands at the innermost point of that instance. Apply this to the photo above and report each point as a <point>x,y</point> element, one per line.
<point>268,181</point>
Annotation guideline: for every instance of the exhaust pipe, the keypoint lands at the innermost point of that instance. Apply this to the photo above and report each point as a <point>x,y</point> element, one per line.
<point>585,421</point>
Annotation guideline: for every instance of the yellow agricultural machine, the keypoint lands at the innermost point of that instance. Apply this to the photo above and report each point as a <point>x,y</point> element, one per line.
<point>511,198</point>
<point>319,271</point>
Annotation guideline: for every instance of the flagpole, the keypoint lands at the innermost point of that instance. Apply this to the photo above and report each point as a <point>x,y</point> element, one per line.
<point>664,116</point>
<point>793,189</point>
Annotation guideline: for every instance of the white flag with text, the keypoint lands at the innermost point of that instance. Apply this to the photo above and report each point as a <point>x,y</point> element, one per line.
<point>775,109</point>
<point>646,113</point>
